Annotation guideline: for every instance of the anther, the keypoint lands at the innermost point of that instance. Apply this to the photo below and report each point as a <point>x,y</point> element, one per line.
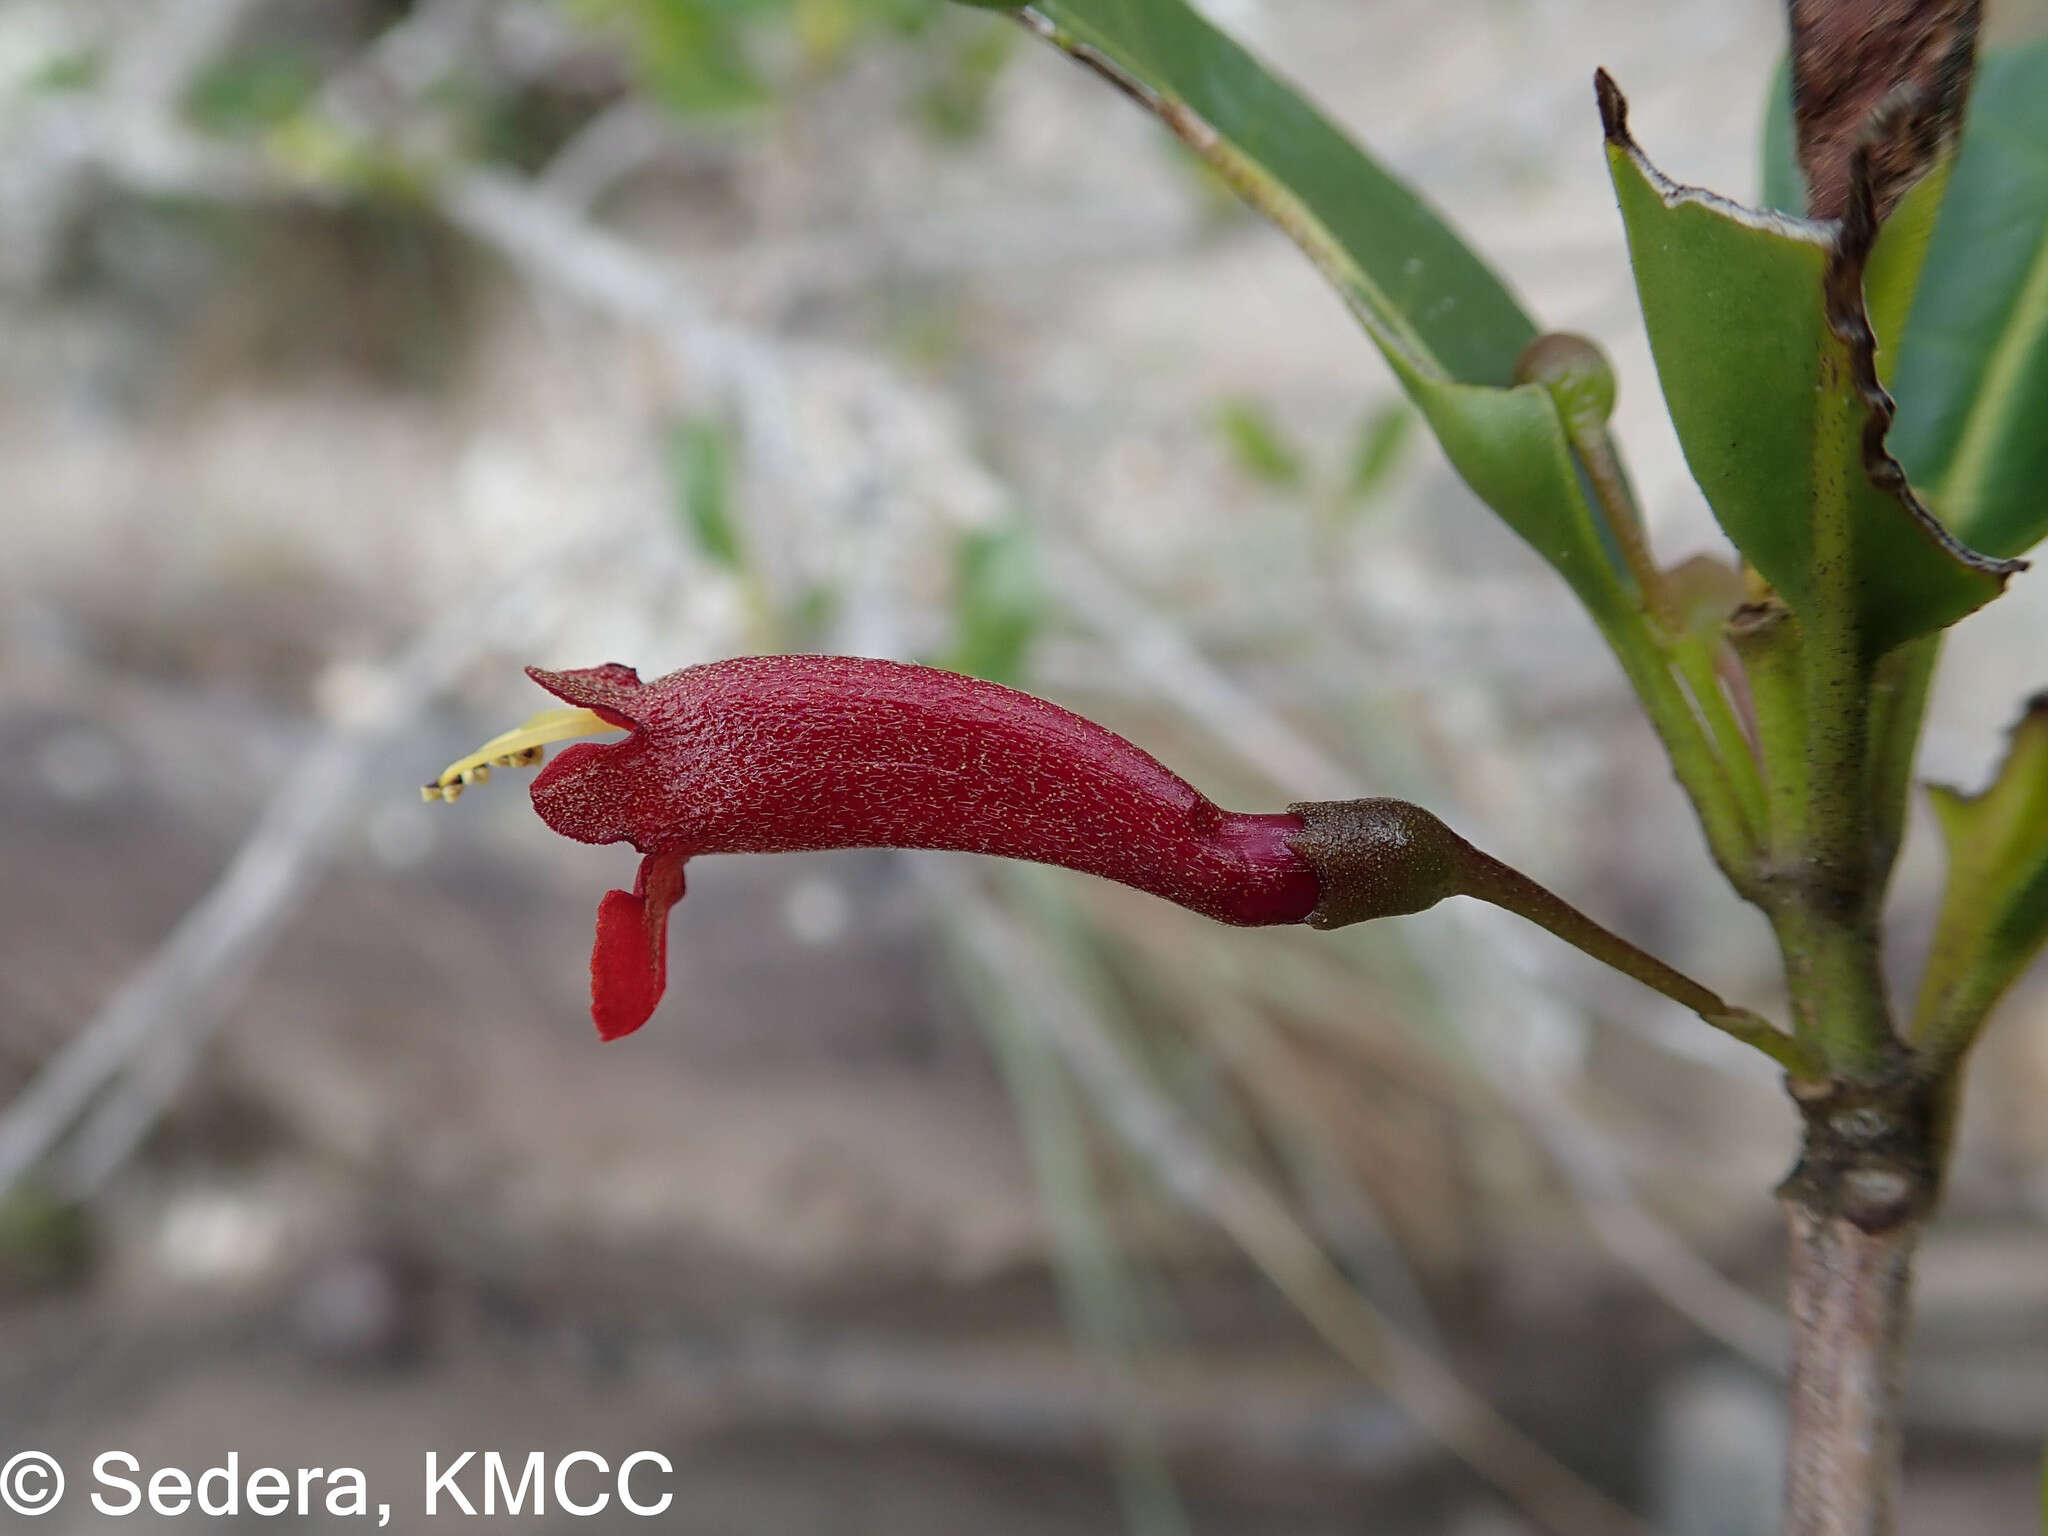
<point>521,747</point>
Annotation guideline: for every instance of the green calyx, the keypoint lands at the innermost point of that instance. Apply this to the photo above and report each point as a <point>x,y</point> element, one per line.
<point>1376,858</point>
<point>1388,858</point>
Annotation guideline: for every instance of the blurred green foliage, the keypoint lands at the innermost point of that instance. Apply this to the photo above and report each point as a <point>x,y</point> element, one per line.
<point>1263,451</point>
<point>700,461</point>
<point>1258,444</point>
<point>77,71</point>
<point>1383,438</point>
<point>711,56</point>
<point>44,1242</point>
<point>252,90</point>
<point>965,66</point>
<point>999,604</point>
<point>923,322</point>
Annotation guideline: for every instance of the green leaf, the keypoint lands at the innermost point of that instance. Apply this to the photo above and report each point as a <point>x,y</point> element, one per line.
<point>1784,184</point>
<point>1259,444</point>
<point>1972,381</point>
<point>1510,447</point>
<point>1451,330</point>
<point>1389,253</point>
<point>1775,410</point>
<point>699,460</point>
<point>1893,275</point>
<point>1994,917</point>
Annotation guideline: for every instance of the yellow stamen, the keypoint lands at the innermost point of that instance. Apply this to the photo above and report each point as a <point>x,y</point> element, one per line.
<point>521,747</point>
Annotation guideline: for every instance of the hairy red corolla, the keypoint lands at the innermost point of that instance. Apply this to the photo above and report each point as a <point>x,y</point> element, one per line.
<point>775,754</point>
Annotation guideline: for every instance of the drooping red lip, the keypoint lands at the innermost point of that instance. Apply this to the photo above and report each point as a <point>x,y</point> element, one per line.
<point>789,753</point>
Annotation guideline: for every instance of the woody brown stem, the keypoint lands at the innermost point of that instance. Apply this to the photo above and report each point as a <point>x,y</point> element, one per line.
<point>1867,1178</point>
<point>1851,1302</point>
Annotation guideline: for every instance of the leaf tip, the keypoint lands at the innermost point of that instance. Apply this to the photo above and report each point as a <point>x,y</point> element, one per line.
<point>1613,108</point>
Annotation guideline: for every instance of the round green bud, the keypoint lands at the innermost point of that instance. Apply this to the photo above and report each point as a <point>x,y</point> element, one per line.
<point>1575,371</point>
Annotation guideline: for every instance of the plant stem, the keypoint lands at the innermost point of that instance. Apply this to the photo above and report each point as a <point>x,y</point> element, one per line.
<point>1898,706</point>
<point>1850,1304</point>
<point>1869,1174</point>
<point>1488,879</point>
<point>1595,448</point>
<point>1700,770</point>
<point>1694,656</point>
<point>1767,641</point>
<point>1826,916</point>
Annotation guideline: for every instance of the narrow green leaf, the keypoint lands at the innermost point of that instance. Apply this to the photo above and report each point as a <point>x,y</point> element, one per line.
<point>1994,917</point>
<point>1511,449</point>
<point>698,458</point>
<point>1779,416</point>
<point>1893,275</point>
<point>1784,184</point>
<point>1451,330</point>
<point>1972,381</point>
<point>1386,249</point>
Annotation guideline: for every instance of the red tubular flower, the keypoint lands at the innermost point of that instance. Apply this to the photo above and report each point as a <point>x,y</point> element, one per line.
<point>776,754</point>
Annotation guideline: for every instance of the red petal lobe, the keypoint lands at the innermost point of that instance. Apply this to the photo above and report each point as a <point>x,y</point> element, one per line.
<point>629,962</point>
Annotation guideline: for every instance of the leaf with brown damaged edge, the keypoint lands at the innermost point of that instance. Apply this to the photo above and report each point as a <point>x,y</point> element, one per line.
<point>1852,60</point>
<point>1767,361</point>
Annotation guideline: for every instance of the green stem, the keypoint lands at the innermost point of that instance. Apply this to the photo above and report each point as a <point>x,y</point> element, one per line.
<point>1898,707</point>
<point>1699,768</point>
<point>1488,879</point>
<point>1827,921</point>
<point>1595,448</point>
<point>1767,639</point>
<point>1695,657</point>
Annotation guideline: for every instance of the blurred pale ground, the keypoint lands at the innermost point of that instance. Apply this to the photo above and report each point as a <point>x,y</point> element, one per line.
<point>256,440</point>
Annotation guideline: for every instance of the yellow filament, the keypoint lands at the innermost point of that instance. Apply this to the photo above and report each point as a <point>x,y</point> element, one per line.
<point>521,747</point>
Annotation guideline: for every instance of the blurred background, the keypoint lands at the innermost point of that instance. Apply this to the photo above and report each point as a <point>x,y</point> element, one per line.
<point>354,353</point>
